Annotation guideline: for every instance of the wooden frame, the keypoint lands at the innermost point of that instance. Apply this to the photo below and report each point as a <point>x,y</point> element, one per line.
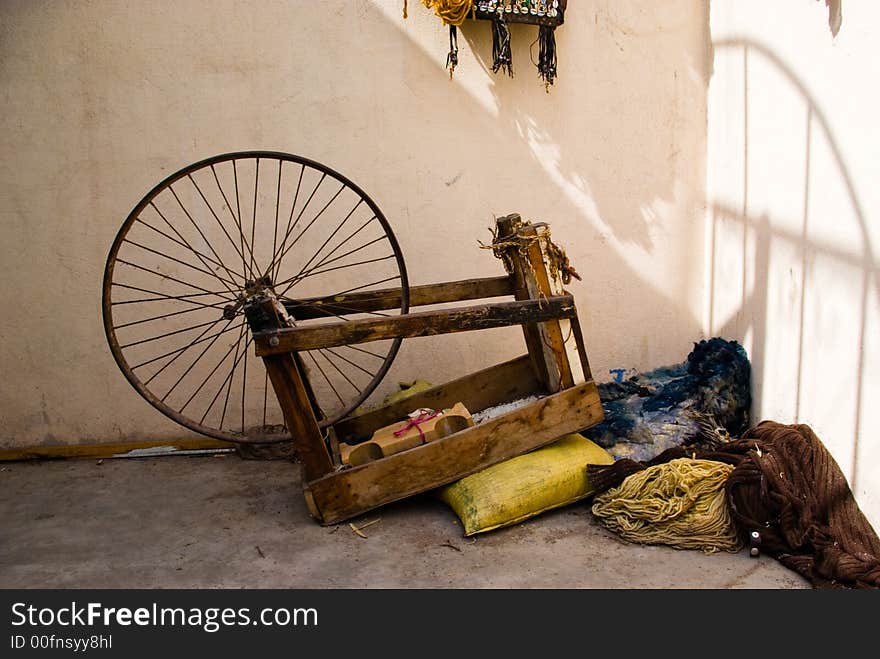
<point>555,368</point>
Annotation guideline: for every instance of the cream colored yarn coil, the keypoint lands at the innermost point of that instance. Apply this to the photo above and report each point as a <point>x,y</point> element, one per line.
<point>681,503</point>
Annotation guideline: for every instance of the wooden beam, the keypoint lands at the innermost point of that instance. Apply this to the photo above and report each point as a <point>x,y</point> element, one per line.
<point>389,298</point>
<point>295,396</point>
<point>287,381</point>
<point>458,291</point>
<point>497,384</point>
<point>543,282</point>
<point>425,323</point>
<point>115,449</point>
<point>581,348</point>
<point>508,231</point>
<point>351,492</point>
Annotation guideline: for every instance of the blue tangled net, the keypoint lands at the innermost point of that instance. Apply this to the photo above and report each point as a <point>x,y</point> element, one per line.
<point>706,397</point>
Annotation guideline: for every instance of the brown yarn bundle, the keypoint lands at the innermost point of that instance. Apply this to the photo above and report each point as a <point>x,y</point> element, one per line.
<point>787,487</point>
<point>794,494</point>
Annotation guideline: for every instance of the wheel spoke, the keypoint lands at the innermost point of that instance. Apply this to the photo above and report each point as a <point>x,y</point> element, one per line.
<point>311,222</point>
<point>372,283</point>
<point>357,366</point>
<point>325,261</point>
<point>193,250</point>
<point>181,351</point>
<point>220,224</point>
<point>275,264</point>
<point>339,370</point>
<point>329,238</point>
<point>325,305</point>
<point>235,220</point>
<point>193,222</point>
<point>253,261</point>
<point>179,281</point>
<point>165,298</point>
<point>196,341</point>
<point>274,268</point>
<point>170,260</point>
<point>163,316</point>
<point>366,352</point>
<point>186,245</point>
<point>225,282</point>
<point>196,361</point>
<point>254,222</point>
<point>321,370</point>
<point>167,334</point>
<point>275,228</point>
<point>314,273</point>
<point>208,377</point>
<point>231,375</point>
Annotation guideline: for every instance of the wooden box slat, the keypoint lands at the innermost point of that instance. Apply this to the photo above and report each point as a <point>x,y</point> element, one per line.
<point>501,383</point>
<point>423,323</point>
<point>350,492</point>
<point>390,298</point>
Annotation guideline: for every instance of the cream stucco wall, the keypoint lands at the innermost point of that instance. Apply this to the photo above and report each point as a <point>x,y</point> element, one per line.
<point>792,236</point>
<point>104,98</point>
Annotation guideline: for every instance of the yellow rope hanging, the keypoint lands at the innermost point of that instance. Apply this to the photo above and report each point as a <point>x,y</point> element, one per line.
<point>453,12</point>
<point>681,503</point>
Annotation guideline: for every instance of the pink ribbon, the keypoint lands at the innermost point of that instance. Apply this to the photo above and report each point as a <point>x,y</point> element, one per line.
<point>415,422</point>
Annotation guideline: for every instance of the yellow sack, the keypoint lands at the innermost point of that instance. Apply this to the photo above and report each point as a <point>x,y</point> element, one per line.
<point>527,485</point>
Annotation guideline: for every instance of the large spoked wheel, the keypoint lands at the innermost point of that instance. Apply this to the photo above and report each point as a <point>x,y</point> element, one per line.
<point>190,252</point>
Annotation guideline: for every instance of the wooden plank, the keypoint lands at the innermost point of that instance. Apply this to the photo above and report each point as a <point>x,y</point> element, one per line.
<point>581,348</point>
<point>572,345</point>
<point>298,415</point>
<point>293,394</point>
<point>307,385</point>
<point>541,283</point>
<point>569,345</point>
<point>389,298</point>
<point>459,291</point>
<point>425,323</point>
<point>115,449</point>
<point>350,492</point>
<point>497,384</point>
<point>508,230</point>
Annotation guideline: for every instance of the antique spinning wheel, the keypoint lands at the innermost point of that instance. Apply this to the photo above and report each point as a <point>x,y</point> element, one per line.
<point>219,231</point>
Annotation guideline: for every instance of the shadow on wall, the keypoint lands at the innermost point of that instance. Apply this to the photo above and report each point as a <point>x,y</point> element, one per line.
<point>791,265</point>
<point>607,158</point>
<point>611,165</point>
<point>616,154</point>
<point>617,146</point>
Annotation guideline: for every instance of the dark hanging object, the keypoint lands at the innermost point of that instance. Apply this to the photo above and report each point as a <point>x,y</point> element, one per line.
<point>547,54</point>
<point>501,57</point>
<point>546,14</point>
<point>452,57</point>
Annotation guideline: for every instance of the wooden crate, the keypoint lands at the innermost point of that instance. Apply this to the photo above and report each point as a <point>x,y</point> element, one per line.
<point>555,368</point>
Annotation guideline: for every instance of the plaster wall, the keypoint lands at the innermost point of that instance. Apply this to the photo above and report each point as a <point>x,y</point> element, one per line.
<point>792,238</point>
<point>104,98</point>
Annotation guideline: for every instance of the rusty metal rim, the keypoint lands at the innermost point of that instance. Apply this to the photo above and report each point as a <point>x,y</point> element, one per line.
<point>120,238</point>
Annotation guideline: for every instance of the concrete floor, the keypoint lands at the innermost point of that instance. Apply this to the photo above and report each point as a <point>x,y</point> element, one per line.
<point>224,522</point>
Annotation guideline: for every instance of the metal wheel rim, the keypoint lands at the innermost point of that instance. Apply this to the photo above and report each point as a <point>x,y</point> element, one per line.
<point>120,238</point>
